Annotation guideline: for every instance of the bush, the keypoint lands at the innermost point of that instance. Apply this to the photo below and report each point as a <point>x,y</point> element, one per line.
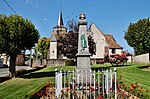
<point>69,62</point>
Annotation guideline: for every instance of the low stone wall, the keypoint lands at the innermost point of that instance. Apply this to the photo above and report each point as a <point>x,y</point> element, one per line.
<point>55,62</point>
<point>49,62</point>
<point>144,58</point>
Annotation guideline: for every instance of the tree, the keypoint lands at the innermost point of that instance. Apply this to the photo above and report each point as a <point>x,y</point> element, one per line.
<point>16,34</point>
<point>72,25</point>
<point>43,45</point>
<point>138,36</point>
<point>68,44</point>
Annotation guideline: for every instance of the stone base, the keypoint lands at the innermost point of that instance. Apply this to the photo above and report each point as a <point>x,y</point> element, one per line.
<point>83,62</point>
<point>84,76</point>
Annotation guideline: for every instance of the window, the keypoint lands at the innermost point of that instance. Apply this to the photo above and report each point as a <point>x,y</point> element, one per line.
<point>113,51</point>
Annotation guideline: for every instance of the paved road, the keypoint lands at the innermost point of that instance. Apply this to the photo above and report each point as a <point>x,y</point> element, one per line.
<point>5,71</point>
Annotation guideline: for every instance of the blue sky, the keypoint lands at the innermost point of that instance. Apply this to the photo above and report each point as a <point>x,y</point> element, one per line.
<point>111,16</point>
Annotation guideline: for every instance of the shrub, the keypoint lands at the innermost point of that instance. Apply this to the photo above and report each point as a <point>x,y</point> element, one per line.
<point>69,62</point>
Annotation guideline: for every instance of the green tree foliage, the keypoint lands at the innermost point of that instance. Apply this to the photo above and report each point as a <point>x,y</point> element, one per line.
<point>43,45</point>
<point>138,36</point>
<point>16,34</point>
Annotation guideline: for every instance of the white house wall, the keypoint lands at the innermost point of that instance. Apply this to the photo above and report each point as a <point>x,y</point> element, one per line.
<point>100,41</point>
<point>118,51</point>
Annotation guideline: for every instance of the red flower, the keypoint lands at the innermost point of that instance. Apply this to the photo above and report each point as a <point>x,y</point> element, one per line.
<point>68,89</point>
<point>104,93</point>
<point>110,89</point>
<point>132,86</point>
<point>119,85</point>
<point>123,94</point>
<point>100,97</point>
<point>147,90</point>
<point>62,90</point>
<point>47,84</point>
<point>101,87</point>
<point>32,95</point>
<point>46,90</point>
<point>38,93</point>
<point>93,89</point>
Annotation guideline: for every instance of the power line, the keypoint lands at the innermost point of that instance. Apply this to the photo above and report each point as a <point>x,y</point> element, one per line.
<point>10,7</point>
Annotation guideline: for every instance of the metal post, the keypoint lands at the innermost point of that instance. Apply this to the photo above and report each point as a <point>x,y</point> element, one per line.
<point>98,82</point>
<point>73,83</point>
<point>115,83</point>
<point>94,84</point>
<point>111,79</point>
<point>64,79</point>
<point>56,83</point>
<point>86,83</point>
<point>103,79</point>
<point>90,82</point>
<point>107,81</point>
<point>68,73</point>
<point>82,84</point>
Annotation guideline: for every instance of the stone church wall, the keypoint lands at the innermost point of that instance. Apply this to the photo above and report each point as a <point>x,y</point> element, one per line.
<point>49,62</point>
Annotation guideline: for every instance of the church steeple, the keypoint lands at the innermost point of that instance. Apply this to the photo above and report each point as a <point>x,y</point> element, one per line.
<point>60,19</point>
<point>60,28</point>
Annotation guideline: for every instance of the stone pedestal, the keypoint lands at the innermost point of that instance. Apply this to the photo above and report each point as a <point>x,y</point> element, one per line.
<point>83,61</point>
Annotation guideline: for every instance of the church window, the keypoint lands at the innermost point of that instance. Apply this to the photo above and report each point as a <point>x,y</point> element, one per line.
<point>53,51</point>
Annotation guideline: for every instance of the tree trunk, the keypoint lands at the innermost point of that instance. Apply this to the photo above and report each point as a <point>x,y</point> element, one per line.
<point>12,68</point>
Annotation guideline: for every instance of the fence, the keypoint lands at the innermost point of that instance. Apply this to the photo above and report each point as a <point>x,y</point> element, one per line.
<point>75,85</point>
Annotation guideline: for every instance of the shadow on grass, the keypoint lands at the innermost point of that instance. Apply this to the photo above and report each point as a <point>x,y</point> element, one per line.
<point>142,67</point>
<point>2,79</point>
<point>38,75</point>
<point>23,71</point>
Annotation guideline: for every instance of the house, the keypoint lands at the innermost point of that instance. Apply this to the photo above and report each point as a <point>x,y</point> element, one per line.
<point>105,43</point>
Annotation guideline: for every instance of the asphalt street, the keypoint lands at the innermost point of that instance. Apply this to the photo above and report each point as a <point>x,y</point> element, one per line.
<point>4,72</point>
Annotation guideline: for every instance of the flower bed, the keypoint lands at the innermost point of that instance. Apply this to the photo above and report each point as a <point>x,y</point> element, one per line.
<point>134,91</point>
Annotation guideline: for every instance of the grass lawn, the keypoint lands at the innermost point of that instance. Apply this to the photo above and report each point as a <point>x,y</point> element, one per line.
<point>135,73</point>
<point>26,85</point>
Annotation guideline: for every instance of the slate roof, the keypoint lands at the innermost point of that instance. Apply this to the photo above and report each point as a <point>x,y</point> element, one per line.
<point>60,19</point>
<point>53,38</point>
<point>112,42</point>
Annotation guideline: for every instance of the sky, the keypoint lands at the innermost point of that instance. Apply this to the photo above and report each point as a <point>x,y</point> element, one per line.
<point>110,16</point>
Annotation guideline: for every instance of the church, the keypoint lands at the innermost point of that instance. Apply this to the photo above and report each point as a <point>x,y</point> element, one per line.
<point>105,43</point>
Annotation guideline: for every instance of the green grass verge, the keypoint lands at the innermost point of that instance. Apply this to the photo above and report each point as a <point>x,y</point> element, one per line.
<point>26,85</point>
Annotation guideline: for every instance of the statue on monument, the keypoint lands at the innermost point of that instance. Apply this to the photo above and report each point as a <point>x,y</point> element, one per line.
<point>83,41</point>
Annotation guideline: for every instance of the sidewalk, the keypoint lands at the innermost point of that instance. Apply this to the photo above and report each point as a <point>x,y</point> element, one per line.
<point>4,72</point>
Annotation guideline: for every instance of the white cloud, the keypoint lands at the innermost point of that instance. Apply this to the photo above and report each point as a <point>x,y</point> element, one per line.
<point>45,19</point>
